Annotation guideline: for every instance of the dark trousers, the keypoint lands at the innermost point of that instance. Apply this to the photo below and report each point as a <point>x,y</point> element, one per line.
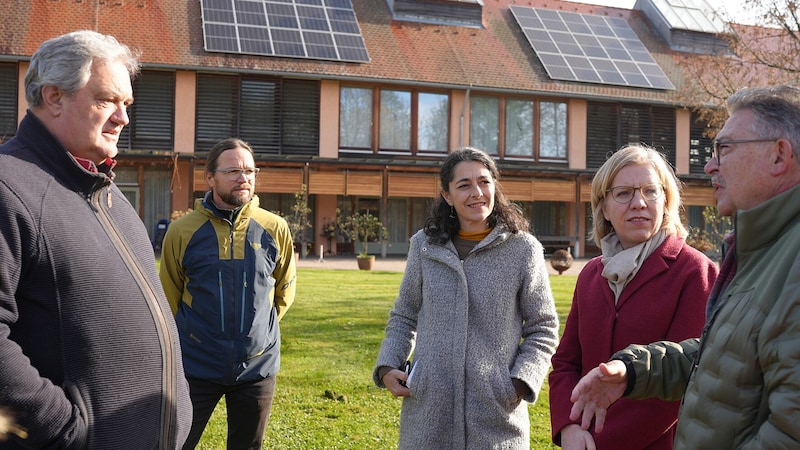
<point>248,405</point>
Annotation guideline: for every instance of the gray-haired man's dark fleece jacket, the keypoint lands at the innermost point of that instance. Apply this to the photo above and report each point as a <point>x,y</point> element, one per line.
<point>89,354</point>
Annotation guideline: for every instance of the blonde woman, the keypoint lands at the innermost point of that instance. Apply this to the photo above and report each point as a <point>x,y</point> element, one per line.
<point>648,285</point>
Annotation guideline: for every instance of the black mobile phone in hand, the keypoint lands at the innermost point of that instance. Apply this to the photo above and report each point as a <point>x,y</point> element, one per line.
<point>405,367</point>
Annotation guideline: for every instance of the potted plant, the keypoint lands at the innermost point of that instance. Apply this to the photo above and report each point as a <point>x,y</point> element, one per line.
<point>298,220</point>
<point>561,260</point>
<point>329,232</point>
<point>363,228</point>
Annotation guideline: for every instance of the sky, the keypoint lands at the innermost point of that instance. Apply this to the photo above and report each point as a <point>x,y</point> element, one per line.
<point>731,8</point>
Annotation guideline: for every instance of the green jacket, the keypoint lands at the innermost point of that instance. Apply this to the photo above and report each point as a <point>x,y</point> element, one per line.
<point>744,391</point>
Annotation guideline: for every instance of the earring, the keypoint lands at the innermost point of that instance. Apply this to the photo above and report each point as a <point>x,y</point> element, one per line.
<point>452,212</point>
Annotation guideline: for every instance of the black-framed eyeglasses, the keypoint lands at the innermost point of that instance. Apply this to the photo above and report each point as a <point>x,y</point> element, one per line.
<point>232,173</point>
<point>716,145</point>
<point>624,194</point>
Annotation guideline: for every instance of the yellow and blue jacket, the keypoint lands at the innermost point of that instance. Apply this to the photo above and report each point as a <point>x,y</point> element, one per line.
<point>229,281</point>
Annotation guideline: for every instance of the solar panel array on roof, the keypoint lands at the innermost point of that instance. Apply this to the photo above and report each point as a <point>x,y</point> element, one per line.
<point>589,48</point>
<point>314,29</point>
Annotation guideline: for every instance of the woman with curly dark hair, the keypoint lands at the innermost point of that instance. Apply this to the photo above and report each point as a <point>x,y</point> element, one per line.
<point>474,315</point>
<point>442,223</point>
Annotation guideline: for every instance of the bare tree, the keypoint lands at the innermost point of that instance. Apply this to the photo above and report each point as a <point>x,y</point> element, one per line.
<point>767,53</point>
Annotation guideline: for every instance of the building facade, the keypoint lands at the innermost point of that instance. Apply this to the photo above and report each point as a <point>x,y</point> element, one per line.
<point>360,100</point>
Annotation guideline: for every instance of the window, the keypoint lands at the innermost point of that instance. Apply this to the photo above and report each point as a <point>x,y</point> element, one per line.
<point>152,114</point>
<point>406,216</point>
<point>355,117</point>
<point>547,218</point>
<point>276,116</point>
<point>408,122</point>
<point>8,101</point>
<point>699,145</point>
<point>131,192</point>
<point>518,128</point>
<point>553,130</point>
<point>148,191</point>
<point>433,110</point>
<point>395,120</point>
<point>484,119</point>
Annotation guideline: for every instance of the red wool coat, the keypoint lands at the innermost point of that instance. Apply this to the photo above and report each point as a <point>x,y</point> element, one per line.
<point>665,301</point>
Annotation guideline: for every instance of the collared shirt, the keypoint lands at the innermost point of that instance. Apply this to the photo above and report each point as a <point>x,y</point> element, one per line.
<point>89,165</point>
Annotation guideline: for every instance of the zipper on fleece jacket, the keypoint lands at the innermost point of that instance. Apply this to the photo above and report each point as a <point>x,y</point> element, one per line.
<point>169,375</point>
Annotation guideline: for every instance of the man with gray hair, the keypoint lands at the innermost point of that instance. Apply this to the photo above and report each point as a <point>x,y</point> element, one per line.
<point>739,381</point>
<point>89,352</point>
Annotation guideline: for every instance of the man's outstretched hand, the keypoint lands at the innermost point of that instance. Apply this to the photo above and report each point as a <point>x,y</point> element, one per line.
<point>596,392</point>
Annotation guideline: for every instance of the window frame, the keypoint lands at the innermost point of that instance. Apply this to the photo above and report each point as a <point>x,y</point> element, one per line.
<point>535,138</point>
<point>376,145</point>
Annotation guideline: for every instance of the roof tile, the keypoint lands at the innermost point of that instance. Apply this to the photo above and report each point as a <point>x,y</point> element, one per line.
<point>496,57</point>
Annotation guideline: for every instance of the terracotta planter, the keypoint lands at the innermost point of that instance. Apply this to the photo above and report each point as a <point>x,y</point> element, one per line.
<point>365,262</point>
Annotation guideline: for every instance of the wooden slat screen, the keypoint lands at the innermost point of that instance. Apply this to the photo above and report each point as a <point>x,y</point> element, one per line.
<point>554,190</point>
<point>518,190</point>
<point>413,185</point>
<point>279,181</point>
<point>364,183</point>
<point>698,196</point>
<point>199,181</point>
<point>331,183</point>
<point>586,192</point>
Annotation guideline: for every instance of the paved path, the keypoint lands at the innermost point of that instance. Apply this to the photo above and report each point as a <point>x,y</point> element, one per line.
<point>395,264</point>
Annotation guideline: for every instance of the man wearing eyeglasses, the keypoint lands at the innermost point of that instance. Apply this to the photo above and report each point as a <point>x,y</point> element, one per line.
<point>229,275</point>
<point>740,380</point>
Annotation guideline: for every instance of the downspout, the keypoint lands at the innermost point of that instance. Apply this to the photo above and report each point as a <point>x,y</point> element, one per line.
<point>96,15</point>
<point>461,119</point>
<point>576,251</point>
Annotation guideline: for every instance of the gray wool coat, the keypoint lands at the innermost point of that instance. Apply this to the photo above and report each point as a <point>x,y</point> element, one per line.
<point>472,326</point>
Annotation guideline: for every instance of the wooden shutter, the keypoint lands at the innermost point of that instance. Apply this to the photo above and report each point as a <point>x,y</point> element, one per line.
<point>8,101</point>
<point>152,115</point>
<point>601,133</point>
<point>663,132</point>
<point>216,110</point>
<point>300,117</point>
<point>259,115</point>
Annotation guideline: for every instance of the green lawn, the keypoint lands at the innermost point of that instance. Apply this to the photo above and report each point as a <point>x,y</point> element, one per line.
<point>325,398</point>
